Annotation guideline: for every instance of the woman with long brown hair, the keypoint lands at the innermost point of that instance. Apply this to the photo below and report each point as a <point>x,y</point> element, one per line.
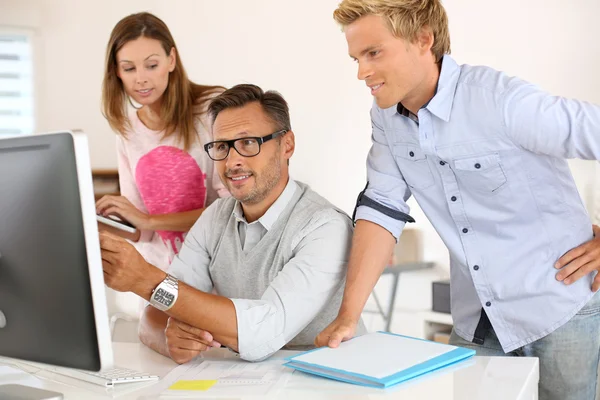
<point>166,178</point>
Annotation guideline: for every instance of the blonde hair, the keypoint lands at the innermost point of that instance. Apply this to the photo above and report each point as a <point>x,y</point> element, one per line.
<point>405,18</point>
<point>183,100</point>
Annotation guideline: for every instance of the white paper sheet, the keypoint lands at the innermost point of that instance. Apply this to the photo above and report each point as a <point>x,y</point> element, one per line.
<point>234,378</point>
<point>376,354</point>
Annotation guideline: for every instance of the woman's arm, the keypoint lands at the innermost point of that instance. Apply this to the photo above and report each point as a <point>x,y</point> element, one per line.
<point>122,208</point>
<point>179,222</point>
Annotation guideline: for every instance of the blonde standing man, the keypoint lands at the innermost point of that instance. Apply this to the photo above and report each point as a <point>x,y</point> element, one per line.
<point>484,156</point>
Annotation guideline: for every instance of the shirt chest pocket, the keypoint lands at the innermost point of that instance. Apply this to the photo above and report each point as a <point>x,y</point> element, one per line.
<point>481,173</point>
<point>414,166</point>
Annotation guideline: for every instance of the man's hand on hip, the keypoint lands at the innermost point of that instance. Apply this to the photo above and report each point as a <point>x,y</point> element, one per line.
<point>580,261</point>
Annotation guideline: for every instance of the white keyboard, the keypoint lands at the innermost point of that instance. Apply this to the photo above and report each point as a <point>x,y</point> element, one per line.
<point>109,377</point>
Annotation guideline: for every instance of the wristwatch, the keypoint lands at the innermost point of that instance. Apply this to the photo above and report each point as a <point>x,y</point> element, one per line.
<point>165,294</point>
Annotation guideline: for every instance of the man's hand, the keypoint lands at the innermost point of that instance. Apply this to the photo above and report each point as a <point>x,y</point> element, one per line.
<point>122,208</point>
<point>581,261</point>
<point>341,329</point>
<point>134,237</point>
<point>125,270</point>
<point>185,342</point>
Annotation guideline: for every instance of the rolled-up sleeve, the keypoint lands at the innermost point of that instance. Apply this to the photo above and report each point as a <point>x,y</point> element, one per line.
<point>386,183</point>
<point>299,292</point>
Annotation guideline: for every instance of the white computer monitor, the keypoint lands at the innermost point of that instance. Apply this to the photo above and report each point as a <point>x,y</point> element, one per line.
<point>52,295</point>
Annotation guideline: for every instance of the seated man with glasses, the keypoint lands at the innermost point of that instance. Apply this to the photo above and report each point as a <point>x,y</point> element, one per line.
<point>259,271</point>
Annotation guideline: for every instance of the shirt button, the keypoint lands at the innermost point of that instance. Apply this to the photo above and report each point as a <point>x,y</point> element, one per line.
<point>476,267</point>
<point>488,304</point>
<point>465,230</point>
<point>442,163</point>
<point>477,165</point>
<point>453,198</point>
<point>412,154</point>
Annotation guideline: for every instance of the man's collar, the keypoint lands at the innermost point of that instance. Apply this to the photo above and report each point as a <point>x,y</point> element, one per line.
<point>272,214</point>
<point>400,109</point>
<point>441,103</point>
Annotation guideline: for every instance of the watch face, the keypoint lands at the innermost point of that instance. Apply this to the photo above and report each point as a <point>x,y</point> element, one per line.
<point>163,297</point>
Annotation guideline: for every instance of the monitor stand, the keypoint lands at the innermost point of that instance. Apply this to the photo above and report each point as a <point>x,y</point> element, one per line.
<point>20,392</point>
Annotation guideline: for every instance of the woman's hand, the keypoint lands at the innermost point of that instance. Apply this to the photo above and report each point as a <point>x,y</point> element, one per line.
<point>122,208</point>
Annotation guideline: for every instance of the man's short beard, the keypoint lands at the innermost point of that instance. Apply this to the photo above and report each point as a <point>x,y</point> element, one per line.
<point>269,179</point>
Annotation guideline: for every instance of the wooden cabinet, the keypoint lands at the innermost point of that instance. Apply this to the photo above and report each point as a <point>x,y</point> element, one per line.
<point>106,182</point>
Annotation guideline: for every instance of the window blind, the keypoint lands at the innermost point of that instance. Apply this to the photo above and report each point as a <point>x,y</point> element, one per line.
<point>16,84</point>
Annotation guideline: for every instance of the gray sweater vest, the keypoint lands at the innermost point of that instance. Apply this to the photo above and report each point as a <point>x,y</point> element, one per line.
<point>246,275</point>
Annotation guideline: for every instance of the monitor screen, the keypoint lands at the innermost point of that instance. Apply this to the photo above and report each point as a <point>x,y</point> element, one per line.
<point>52,296</point>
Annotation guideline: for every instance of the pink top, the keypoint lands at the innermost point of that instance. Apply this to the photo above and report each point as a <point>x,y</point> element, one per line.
<point>158,177</point>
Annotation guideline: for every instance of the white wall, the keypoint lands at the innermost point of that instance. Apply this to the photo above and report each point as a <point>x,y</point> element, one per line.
<point>296,48</point>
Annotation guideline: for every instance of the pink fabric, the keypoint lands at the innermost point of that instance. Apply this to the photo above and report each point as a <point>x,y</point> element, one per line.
<point>158,177</point>
<point>170,181</point>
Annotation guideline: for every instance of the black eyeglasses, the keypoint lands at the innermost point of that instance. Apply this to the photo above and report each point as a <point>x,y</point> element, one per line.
<point>245,146</point>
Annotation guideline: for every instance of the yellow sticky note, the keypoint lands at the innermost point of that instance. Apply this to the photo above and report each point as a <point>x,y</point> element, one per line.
<point>192,385</point>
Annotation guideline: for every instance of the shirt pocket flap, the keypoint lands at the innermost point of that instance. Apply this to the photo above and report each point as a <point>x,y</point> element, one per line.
<point>479,163</point>
<point>409,152</point>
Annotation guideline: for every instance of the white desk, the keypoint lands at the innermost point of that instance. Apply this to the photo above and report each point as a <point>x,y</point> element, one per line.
<point>485,378</point>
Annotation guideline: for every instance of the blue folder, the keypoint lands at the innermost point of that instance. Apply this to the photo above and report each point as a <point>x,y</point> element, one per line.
<point>357,362</point>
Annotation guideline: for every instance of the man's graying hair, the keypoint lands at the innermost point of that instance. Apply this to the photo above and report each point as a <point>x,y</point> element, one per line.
<point>273,104</point>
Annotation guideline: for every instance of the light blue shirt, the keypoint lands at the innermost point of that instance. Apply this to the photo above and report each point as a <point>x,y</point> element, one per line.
<point>485,162</point>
